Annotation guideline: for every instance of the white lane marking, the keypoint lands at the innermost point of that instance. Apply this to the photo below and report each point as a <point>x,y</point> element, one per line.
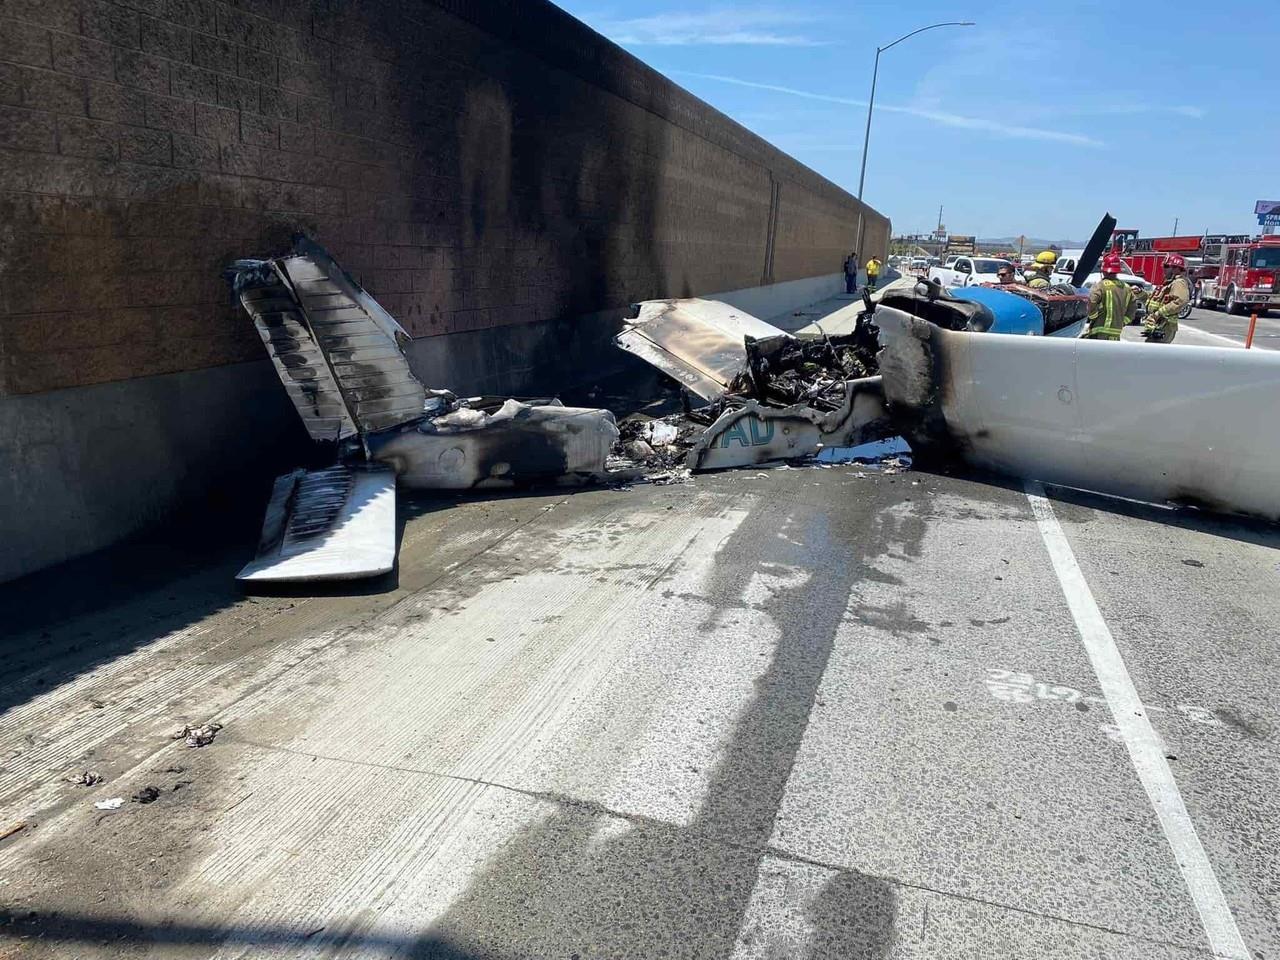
<point>1216,336</point>
<point>1139,737</point>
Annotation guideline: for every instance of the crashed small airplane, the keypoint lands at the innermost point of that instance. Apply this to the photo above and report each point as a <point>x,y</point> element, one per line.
<point>769,396</point>
<point>1182,426</point>
<point>340,357</point>
<point>1178,425</point>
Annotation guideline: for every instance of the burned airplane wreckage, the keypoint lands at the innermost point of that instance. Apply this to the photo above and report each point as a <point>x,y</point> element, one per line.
<point>914,360</point>
<point>765,394</point>
<point>340,357</point>
<point>762,395</point>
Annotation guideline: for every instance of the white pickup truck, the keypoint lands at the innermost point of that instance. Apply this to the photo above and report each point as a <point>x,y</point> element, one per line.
<point>1066,265</point>
<point>966,271</point>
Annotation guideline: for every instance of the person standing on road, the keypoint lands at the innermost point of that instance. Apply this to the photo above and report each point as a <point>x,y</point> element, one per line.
<point>1111,303</point>
<point>1038,276</point>
<point>851,272</point>
<point>873,272</point>
<point>1164,305</point>
<point>1005,274</point>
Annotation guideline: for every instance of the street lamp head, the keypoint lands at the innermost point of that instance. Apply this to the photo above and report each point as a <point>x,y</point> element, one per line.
<point>932,26</point>
<point>871,101</point>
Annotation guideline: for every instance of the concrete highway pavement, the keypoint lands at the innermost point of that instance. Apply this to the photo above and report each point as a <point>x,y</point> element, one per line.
<point>797,712</point>
<point>1219,324</point>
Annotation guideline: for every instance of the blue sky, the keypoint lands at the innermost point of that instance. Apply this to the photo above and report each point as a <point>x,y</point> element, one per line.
<point>1035,121</point>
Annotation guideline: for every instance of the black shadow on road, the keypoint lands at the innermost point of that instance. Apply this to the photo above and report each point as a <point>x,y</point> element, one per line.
<point>106,931</point>
<point>62,622</point>
<point>667,890</point>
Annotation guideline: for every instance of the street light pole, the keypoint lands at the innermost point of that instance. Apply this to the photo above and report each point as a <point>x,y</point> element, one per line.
<point>871,102</point>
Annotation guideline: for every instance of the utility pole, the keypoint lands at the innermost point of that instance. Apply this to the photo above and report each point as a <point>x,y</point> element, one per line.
<point>871,103</point>
<point>938,232</point>
<point>1175,226</point>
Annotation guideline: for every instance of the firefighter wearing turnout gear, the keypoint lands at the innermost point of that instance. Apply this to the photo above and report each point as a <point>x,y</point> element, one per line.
<point>1111,303</point>
<point>1038,276</point>
<point>1164,305</point>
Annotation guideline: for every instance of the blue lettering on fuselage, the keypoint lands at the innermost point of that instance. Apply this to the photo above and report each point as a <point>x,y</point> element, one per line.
<point>761,432</point>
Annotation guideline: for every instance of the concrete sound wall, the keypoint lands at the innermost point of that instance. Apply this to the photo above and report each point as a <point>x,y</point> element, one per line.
<point>490,169</point>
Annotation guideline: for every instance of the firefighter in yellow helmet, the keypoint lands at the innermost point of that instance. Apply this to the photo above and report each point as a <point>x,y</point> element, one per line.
<point>1111,302</point>
<point>1163,306</point>
<point>1038,275</point>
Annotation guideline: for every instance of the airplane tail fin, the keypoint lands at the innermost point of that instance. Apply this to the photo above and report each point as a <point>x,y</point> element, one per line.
<point>337,351</point>
<point>338,523</point>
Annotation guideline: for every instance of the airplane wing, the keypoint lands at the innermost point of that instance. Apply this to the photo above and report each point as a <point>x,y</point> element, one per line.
<point>697,342</point>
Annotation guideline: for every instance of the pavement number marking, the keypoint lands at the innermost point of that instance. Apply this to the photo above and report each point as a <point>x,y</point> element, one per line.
<point>1011,686</point>
<point>1139,736</point>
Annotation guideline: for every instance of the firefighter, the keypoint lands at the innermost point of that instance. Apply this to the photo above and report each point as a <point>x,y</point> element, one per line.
<point>1164,305</point>
<point>873,272</point>
<point>1111,302</point>
<point>1038,276</point>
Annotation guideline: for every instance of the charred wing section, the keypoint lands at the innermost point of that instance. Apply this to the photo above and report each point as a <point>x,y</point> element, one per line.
<point>930,301</point>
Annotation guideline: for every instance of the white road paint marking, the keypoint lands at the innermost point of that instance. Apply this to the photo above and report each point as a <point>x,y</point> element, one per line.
<point>1012,686</point>
<point>1227,341</point>
<point>1139,737</point>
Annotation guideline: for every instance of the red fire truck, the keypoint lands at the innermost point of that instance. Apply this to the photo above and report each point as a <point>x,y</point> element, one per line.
<point>1146,255</point>
<point>1247,280</point>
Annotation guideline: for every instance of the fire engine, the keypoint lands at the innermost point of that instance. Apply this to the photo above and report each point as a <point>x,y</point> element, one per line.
<point>1145,255</point>
<point>1248,278</point>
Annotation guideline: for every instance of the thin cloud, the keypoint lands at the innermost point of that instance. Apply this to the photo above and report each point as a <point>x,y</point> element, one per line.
<point>1016,131</point>
<point>750,27</point>
<point>1138,109</point>
<point>984,58</point>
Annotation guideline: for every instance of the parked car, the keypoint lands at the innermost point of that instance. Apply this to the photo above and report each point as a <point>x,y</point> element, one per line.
<point>966,271</point>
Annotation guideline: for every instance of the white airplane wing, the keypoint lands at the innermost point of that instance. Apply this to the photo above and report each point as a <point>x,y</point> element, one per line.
<point>697,342</point>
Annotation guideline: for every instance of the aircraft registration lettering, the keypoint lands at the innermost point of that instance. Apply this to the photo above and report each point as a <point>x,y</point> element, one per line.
<point>747,432</point>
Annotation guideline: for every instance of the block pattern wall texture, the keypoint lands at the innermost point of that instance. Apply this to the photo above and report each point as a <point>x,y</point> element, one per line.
<point>475,163</point>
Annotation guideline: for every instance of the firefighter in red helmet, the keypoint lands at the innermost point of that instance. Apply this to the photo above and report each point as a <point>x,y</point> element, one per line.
<point>1164,305</point>
<point>1111,302</point>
